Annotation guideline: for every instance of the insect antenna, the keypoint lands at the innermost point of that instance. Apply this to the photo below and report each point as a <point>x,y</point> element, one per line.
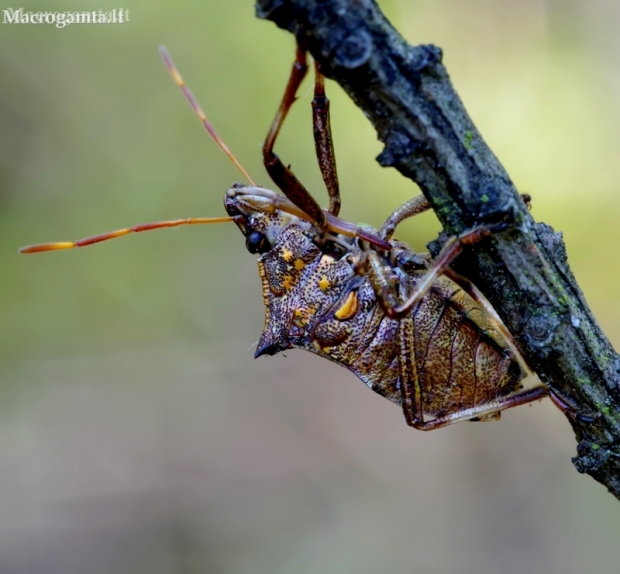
<point>55,246</point>
<point>196,107</point>
<point>120,232</point>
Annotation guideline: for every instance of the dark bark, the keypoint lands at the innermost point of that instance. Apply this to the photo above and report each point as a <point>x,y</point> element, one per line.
<point>406,93</point>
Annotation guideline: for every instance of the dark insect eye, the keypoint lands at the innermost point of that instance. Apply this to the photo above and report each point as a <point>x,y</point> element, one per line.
<point>256,242</point>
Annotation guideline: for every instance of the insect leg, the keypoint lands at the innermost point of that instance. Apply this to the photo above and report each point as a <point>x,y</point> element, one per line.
<point>417,204</point>
<point>570,410</point>
<point>323,141</point>
<point>563,403</point>
<point>282,176</point>
<point>410,388</point>
<point>480,411</point>
<point>384,282</point>
<point>450,250</point>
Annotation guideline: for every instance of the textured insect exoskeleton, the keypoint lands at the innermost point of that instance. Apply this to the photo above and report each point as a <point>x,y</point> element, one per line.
<point>409,327</point>
<point>443,358</point>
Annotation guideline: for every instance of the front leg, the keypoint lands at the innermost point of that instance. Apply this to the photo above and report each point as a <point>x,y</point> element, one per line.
<point>323,142</point>
<point>282,176</point>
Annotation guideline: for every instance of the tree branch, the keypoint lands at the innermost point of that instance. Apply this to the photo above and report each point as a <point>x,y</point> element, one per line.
<point>406,93</point>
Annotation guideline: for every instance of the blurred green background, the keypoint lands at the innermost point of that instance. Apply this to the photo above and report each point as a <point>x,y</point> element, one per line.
<point>137,434</point>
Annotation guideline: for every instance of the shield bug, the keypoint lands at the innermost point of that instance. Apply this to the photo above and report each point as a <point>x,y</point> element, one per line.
<point>409,327</point>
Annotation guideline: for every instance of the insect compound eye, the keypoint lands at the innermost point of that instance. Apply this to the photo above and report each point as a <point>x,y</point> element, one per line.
<point>257,242</point>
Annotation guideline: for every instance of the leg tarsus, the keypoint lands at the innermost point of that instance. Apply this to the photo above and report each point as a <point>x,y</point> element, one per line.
<point>571,410</point>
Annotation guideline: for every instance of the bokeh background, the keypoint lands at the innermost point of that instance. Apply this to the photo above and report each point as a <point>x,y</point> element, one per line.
<point>138,435</point>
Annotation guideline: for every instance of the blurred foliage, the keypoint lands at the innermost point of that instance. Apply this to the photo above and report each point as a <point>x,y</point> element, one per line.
<point>94,135</point>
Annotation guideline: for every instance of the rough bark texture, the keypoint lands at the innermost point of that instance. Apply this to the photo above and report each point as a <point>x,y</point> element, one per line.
<point>406,93</point>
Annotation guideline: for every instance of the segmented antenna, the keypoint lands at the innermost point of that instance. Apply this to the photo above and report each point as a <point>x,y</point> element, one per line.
<point>120,232</point>
<point>157,224</point>
<point>196,107</point>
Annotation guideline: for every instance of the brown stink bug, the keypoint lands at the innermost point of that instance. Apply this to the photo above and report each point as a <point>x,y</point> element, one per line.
<point>409,327</point>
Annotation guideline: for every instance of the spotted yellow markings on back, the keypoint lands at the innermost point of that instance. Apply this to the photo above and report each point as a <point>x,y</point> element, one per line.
<point>324,283</point>
<point>299,264</point>
<point>288,282</point>
<point>301,317</point>
<point>349,307</point>
<point>299,320</point>
<point>323,348</point>
<point>286,254</point>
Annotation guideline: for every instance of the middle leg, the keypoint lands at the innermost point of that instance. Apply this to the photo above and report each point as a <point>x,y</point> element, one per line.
<point>417,204</point>
<point>386,287</point>
<point>414,206</point>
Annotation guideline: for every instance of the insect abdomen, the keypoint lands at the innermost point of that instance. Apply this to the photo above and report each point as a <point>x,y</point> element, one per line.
<point>460,360</point>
